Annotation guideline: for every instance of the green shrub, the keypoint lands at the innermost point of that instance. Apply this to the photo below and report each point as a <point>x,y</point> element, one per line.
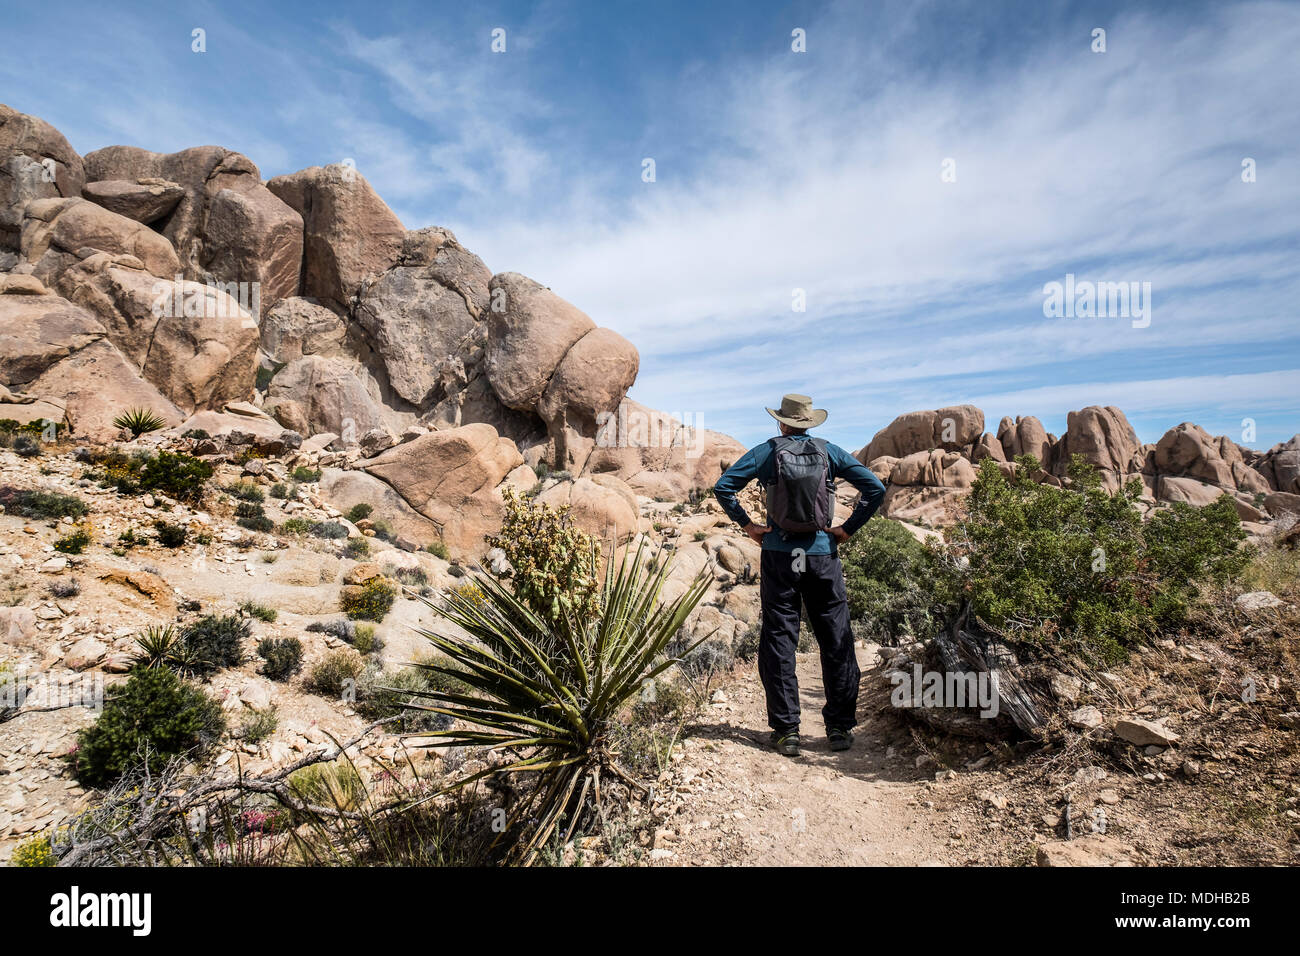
<point>155,718</point>
<point>282,657</point>
<point>40,504</point>
<point>383,530</point>
<point>171,535</point>
<point>215,642</point>
<point>249,514</point>
<point>437,549</point>
<point>366,641</point>
<point>296,526</point>
<point>75,542</point>
<point>282,491</point>
<point>336,673</point>
<point>302,474</point>
<point>897,587</point>
<point>257,726</point>
<point>175,474</point>
<point>370,601</point>
<point>198,434</point>
<point>331,530</point>
<point>1077,564</point>
<point>400,693</point>
<point>245,491</point>
<point>360,512</point>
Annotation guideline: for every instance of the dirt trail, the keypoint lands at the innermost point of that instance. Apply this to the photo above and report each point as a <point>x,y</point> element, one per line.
<point>744,804</point>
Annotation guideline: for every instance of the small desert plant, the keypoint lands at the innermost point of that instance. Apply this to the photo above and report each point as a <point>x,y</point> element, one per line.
<point>175,474</point>
<point>69,588</point>
<point>155,718</point>
<point>296,526</point>
<point>171,535</point>
<point>249,514</point>
<point>336,674</point>
<point>259,611</point>
<point>198,434</point>
<point>26,446</point>
<point>75,542</point>
<point>33,852</point>
<point>302,474</point>
<point>366,641</point>
<point>331,530</point>
<point>245,491</point>
<point>215,642</point>
<point>282,657</point>
<point>337,785</point>
<point>139,420</point>
<point>437,549</point>
<point>281,491</point>
<point>356,548</point>
<point>342,629</point>
<point>370,601</point>
<point>360,512</point>
<point>257,726</point>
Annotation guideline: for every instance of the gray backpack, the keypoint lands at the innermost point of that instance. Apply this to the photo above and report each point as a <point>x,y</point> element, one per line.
<point>800,497</point>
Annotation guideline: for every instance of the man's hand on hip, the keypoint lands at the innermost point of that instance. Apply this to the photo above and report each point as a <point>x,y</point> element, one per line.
<point>756,531</point>
<point>838,533</point>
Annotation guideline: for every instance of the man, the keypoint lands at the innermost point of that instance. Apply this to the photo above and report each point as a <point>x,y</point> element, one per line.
<point>800,562</point>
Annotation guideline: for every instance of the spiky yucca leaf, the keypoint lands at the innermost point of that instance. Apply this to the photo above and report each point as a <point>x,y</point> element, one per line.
<point>546,695</point>
<point>163,647</point>
<point>139,420</point>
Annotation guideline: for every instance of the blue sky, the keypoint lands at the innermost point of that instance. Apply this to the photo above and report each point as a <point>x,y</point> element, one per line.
<point>778,171</point>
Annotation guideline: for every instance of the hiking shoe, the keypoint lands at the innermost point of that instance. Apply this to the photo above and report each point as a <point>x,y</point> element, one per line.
<point>840,739</point>
<point>786,743</point>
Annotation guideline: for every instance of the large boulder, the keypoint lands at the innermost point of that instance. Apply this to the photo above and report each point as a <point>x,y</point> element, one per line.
<point>36,331</point>
<point>97,384</point>
<point>348,231</point>
<point>146,200</point>
<point>923,505</point>
<point>592,379</point>
<point>601,505</point>
<point>1188,450</point>
<point>316,394</point>
<point>295,327</point>
<point>1105,439</point>
<point>1280,466</point>
<point>933,469</point>
<point>423,315</point>
<point>36,162</point>
<point>227,227</point>
<point>451,477</point>
<point>956,428</point>
<point>528,337</point>
<point>1024,436</point>
<point>56,234</point>
<point>193,341</point>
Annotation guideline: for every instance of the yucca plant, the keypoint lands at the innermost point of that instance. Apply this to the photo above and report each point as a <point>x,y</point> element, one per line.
<point>163,647</point>
<point>139,420</point>
<point>545,691</point>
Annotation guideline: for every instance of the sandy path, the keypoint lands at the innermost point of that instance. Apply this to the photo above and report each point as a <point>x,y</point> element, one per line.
<point>744,804</point>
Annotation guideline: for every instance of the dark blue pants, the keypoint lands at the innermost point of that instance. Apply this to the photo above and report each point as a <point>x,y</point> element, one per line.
<point>819,586</point>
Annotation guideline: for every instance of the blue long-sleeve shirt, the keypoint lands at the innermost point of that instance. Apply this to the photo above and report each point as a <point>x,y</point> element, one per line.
<point>757,463</point>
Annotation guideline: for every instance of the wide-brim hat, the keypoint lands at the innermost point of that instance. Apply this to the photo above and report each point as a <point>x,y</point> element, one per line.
<point>797,412</point>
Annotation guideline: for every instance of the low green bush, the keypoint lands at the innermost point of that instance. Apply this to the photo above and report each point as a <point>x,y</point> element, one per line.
<point>281,656</point>
<point>897,587</point>
<point>171,535</point>
<point>40,504</point>
<point>215,642</point>
<point>337,673</point>
<point>75,542</point>
<point>360,512</point>
<point>155,718</point>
